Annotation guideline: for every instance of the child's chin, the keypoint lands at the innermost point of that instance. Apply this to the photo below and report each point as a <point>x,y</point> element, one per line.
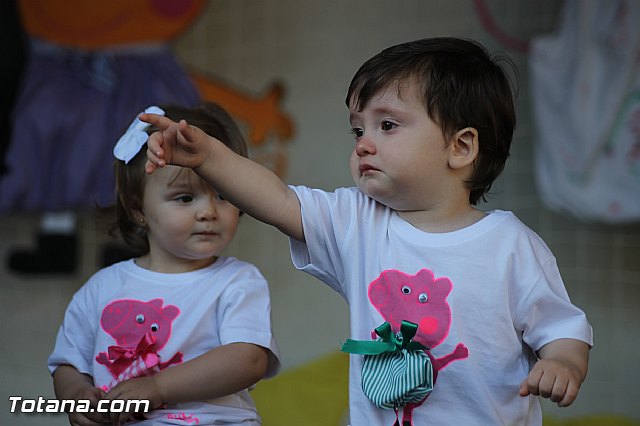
<point>370,190</point>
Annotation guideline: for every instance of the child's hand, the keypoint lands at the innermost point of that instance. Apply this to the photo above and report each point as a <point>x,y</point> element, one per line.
<point>557,380</point>
<point>141,388</point>
<point>94,395</point>
<point>175,143</point>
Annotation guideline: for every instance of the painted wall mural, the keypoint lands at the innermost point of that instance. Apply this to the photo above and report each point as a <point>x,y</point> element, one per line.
<point>92,66</point>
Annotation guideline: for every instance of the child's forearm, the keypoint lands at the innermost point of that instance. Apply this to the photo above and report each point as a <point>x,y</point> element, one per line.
<point>69,382</point>
<point>221,371</point>
<point>253,188</point>
<point>572,351</point>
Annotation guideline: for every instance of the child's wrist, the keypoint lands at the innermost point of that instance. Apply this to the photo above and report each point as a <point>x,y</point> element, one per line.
<point>159,392</point>
<point>211,153</point>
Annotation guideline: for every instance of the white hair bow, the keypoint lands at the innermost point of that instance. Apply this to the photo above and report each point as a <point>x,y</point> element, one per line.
<point>130,143</point>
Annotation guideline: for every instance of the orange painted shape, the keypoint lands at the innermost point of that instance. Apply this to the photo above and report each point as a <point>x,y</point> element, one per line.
<point>103,24</point>
<point>262,114</point>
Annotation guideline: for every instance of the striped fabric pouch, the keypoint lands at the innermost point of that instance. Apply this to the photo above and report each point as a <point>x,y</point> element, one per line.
<point>395,371</point>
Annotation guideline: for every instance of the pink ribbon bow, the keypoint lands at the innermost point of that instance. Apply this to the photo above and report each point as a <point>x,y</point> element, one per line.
<point>146,351</point>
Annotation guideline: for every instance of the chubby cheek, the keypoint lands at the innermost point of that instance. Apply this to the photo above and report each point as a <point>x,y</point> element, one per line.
<point>230,231</point>
<point>354,166</point>
<point>231,222</point>
<point>172,232</point>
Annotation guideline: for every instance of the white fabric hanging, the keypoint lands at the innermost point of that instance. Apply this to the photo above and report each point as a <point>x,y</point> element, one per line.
<point>585,82</point>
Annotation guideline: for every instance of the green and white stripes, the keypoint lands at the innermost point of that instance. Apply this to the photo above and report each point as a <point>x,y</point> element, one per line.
<point>395,371</point>
<point>394,379</point>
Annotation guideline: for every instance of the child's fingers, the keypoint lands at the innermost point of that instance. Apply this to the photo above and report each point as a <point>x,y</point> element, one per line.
<point>186,131</point>
<point>149,167</point>
<point>153,162</point>
<point>155,156</point>
<point>546,385</point>
<point>558,390</point>
<point>552,380</point>
<point>531,385</point>
<point>122,418</point>
<point>570,394</point>
<point>524,388</point>
<point>101,393</point>
<point>77,419</point>
<point>155,144</point>
<point>159,121</point>
<point>155,153</point>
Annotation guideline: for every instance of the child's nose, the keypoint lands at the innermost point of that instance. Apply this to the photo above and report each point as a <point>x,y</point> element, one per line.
<point>207,211</point>
<point>365,146</point>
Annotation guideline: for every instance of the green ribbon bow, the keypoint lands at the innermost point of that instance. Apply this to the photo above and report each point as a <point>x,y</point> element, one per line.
<point>388,341</point>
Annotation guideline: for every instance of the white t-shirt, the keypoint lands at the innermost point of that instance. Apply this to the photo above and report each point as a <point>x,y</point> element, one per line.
<point>187,314</point>
<point>483,296</point>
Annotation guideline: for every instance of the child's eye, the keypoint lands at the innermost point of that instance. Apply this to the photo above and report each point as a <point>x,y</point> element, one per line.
<point>220,198</point>
<point>184,198</point>
<point>387,125</point>
<point>358,132</point>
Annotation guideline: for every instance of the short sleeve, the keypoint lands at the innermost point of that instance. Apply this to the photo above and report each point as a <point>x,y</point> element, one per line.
<point>546,313</point>
<point>75,341</point>
<point>245,314</point>
<point>327,221</point>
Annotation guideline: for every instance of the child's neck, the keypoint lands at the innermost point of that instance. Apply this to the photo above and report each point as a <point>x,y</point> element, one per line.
<point>162,265</point>
<point>442,220</point>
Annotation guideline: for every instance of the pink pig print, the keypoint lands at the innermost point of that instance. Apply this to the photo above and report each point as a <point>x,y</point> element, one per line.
<point>140,329</point>
<point>420,299</point>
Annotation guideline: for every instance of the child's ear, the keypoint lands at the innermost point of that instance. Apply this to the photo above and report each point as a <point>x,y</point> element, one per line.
<point>138,217</point>
<point>463,148</point>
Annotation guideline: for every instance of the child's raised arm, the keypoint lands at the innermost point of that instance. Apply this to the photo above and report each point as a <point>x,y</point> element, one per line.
<point>248,185</point>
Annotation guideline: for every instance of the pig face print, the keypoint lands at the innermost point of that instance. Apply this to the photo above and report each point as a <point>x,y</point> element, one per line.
<point>140,329</point>
<point>420,299</point>
<point>127,321</point>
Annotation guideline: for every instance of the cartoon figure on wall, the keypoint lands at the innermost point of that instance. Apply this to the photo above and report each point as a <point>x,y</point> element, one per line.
<point>91,66</point>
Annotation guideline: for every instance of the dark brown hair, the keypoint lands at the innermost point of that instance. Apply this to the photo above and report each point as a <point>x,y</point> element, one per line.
<point>130,178</point>
<point>462,86</point>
